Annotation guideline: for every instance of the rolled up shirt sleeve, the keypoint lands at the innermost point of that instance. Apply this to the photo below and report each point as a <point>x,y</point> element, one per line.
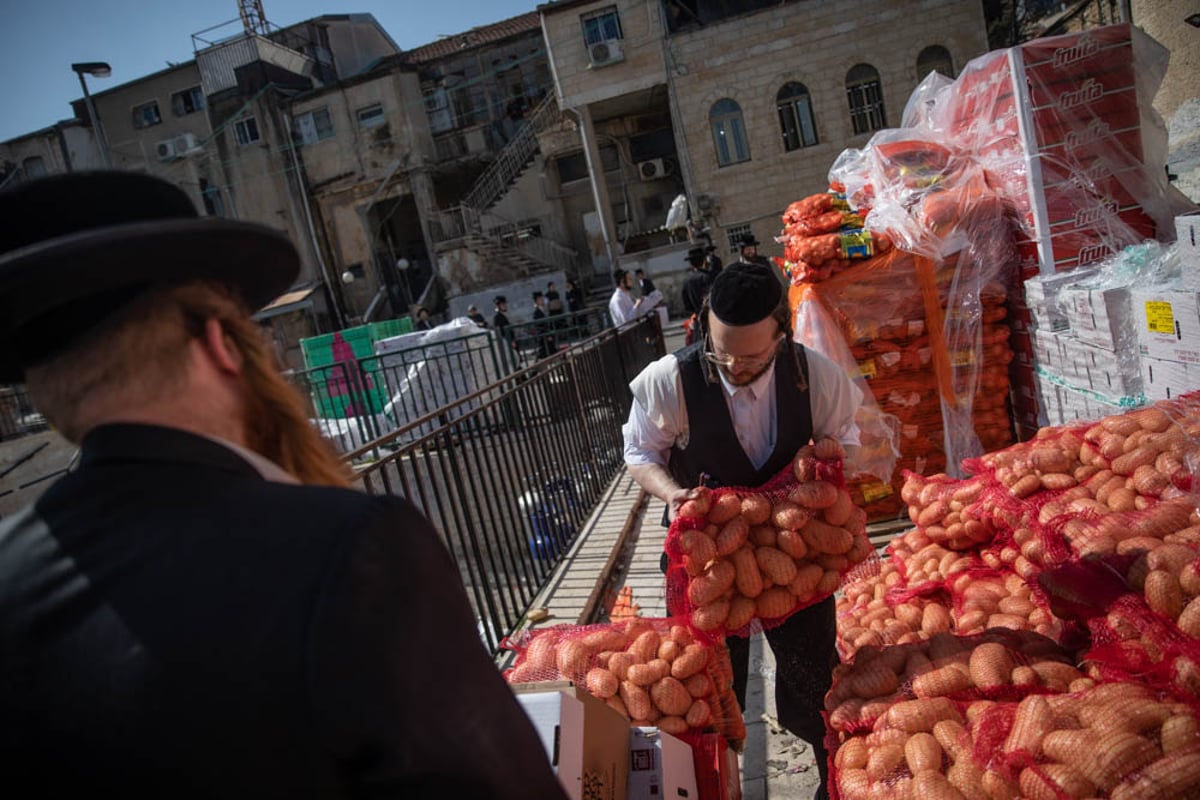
<point>835,400</point>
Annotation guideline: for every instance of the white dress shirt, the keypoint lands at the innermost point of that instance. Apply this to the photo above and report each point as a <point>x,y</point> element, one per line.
<point>658,416</point>
<point>621,306</point>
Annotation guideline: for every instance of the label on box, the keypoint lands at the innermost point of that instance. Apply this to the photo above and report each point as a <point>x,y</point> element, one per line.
<point>876,491</point>
<point>1159,318</point>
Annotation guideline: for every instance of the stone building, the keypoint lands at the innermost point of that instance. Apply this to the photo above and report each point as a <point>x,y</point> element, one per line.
<point>758,99</point>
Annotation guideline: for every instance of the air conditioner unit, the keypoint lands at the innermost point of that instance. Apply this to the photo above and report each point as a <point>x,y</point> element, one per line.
<point>706,202</point>
<point>606,52</point>
<point>165,149</point>
<point>654,169</point>
<point>186,143</point>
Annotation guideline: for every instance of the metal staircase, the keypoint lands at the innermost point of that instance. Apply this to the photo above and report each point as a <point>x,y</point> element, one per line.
<point>510,162</point>
<point>501,240</point>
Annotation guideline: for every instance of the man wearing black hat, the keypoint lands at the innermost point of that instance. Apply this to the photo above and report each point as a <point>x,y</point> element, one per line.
<point>695,288</point>
<point>712,262</point>
<point>202,609</point>
<point>500,319</point>
<point>545,342</point>
<point>748,250</point>
<point>734,408</point>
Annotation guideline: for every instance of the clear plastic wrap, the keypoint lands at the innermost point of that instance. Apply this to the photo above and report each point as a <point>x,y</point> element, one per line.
<point>932,312</point>
<point>1065,128</point>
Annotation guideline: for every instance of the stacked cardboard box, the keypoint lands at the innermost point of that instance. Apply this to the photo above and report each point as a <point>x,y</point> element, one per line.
<point>1061,121</point>
<point>1167,322</point>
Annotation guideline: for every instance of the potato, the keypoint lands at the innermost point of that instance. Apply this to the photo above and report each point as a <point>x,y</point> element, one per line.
<point>922,752</point>
<point>776,564</point>
<point>724,508</point>
<point>822,537</point>
<point>670,696</point>
<point>710,616</point>
<point>692,660</point>
<point>814,495</point>
<point>602,683</point>
<point>699,714</point>
<point>732,536</point>
<point>792,543</point>
<point>756,509</point>
<point>990,665</point>
<point>712,585</point>
<point>774,603</point>
<point>741,611</point>
<point>789,516</point>
<point>636,700</point>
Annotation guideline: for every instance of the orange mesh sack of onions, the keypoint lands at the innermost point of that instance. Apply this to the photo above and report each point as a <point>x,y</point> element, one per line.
<point>740,558</point>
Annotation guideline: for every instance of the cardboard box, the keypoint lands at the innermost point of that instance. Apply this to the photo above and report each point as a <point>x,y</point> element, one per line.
<point>586,741</point>
<point>1042,296</point>
<point>660,766</point>
<point>1114,374</point>
<point>1101,317</point>
<point>1166,380</point>
<point>1187,228</point>
<point>1167,323</point>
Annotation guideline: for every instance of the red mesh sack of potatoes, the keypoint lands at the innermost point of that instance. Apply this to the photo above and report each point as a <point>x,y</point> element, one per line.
<point>1119,740</point>
<point>739,557</point>
<point>651,671</point>
<point>951,512</point>
<point>984,599</point>
<point>998,664</point>
<point>882,610</point>
<point>1133,642</point>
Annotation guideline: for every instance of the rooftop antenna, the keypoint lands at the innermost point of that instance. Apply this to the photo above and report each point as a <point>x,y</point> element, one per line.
<point>254,19</point>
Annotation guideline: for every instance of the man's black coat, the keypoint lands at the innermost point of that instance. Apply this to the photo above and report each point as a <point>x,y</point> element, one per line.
<point>174,625</point>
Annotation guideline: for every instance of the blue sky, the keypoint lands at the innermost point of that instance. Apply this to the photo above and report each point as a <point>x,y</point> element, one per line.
<point>40,39</point>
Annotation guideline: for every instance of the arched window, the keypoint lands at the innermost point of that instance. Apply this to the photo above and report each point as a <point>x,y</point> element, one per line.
<point>796,116</point>
<point>729,133</point>
<point>934,57</point>
<point>865,95</point>
<point>33,167</point>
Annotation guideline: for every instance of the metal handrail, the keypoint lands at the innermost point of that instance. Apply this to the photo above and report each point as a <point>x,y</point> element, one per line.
<point>509,473</point>
<point>511,160</point>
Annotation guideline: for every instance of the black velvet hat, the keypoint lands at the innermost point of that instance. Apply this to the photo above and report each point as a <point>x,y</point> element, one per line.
<point>695,255</point>
<point>747,240</point>
<point>743,294</point>
<point>75,248</point>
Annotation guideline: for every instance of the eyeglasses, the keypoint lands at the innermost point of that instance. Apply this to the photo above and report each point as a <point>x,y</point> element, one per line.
<point>757,362</point>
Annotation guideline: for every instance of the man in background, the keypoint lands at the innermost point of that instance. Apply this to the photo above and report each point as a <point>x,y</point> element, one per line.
<point>645,285</point>
<point>203,608</point>
<point>500,318</point>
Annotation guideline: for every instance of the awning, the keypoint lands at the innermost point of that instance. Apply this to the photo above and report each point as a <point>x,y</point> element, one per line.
<point>291,301</point>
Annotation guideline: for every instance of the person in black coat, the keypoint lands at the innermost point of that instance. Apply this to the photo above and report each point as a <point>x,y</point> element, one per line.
<point>695,287</point>
<point>574,296</point>
<point>201,608</point>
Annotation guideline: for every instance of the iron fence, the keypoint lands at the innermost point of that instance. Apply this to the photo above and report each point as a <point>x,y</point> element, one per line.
<point>359,400</point>
<point>509,473</point>
<point>18,417</point>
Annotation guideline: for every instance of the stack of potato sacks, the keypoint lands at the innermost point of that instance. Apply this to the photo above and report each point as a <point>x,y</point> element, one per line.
<point>1037,634</point>
<point>925,323</point>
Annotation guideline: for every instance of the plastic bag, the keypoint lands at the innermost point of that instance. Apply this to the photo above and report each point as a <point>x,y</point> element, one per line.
<point>743,558</point>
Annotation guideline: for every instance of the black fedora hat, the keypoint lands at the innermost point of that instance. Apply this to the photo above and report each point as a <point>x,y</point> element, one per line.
<point>75,247</point>
<point>695,254</point>
<point>747,240</point>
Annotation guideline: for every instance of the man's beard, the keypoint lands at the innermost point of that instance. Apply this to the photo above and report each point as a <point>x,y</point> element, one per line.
<point>741,381</point>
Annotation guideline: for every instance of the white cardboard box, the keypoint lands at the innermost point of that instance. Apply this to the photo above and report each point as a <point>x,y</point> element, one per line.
<point>1041,295</point>
<point>1165,380</point>
<point>1101,317</point>
<point>1187,228</point>
<point>1168,324</point>
<point>660,766</point>
<point>1114,374</point>
<point>586,741</point>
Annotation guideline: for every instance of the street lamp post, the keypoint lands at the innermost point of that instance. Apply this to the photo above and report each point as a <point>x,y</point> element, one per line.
<point>97,69</point>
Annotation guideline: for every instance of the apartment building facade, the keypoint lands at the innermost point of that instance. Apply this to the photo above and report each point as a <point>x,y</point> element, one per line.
<point>760,97</point>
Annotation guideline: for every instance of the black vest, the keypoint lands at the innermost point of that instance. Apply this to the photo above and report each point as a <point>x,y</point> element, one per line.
<point>713,447</point>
